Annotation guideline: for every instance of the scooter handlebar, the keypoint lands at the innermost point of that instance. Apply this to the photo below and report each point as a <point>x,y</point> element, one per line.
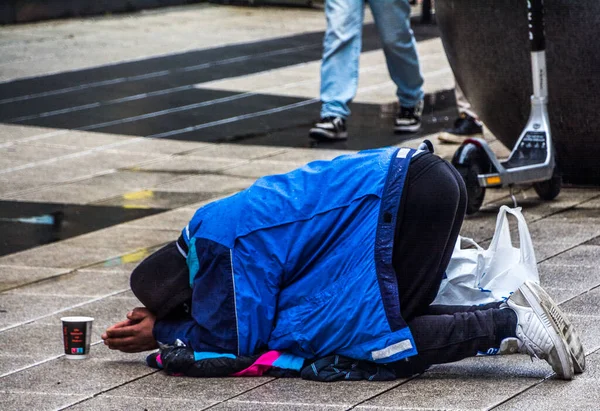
<point>535,15</point>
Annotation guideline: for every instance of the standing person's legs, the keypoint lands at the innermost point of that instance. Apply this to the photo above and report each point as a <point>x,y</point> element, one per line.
<point>462,103</point>
<point>466,125</point>
<point>392,18</point>
<point>341,52</point>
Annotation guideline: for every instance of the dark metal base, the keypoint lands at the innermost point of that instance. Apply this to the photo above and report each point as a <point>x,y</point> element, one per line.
<point>487,46</point>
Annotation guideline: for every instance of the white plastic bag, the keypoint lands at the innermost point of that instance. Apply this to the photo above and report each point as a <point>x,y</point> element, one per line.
<point>477,276</point>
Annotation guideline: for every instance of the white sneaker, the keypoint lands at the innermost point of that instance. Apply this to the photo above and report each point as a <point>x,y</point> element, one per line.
<point>537,332</point>
<point>565,328</point>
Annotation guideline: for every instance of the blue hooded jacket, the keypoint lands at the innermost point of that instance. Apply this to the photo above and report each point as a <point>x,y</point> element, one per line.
<point>300,262</point>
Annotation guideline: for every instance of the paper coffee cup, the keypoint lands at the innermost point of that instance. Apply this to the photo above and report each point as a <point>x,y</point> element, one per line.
<point>77,334</point>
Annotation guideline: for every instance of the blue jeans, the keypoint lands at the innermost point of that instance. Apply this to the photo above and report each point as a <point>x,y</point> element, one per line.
<point>342,46</point>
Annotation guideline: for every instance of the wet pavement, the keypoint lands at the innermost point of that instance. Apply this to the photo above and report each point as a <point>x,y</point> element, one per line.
<point>110,141</point>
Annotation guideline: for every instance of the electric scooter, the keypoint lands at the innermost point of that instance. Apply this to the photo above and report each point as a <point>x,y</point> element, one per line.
<point>532,160</point>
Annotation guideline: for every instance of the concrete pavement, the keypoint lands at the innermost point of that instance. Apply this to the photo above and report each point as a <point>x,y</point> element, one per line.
<point>156,113</point>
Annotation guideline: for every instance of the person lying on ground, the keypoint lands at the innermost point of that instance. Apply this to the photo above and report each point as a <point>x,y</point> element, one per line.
<point>340,257</point>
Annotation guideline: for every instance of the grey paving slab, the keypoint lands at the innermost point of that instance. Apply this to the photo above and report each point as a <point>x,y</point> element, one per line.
<point>585,304</point>
<point>571,273</point>
<point>79,139</point>
<point>588,328</point>
<point>64,376</point>
<point>581,394</point>
<point>14,133</point>
<point>124,263</point>
<point>169,220</point>
<point>259,168</point>
<point>36,401</point>
<point>16,309</point>
<point>207,390</point>
<point>472,384</point>
<point>10,362</point>
<point>297,392</point>
<point>306,155</point>
<point>105,312</point>
<point>236,151</point>
<point>274,406</point>
<point>59,255</point>
<point>191,164</point>
<point>165,146</point>
<point>118,403</point>
<point>121,238</point>
<point>557,395</point>
<point>82,284</point>
<point>565,282</point>
<point>19,154</point>
<point>95,189</point>
<point>34,341</point>
<point>216,184</point>
<point>15,276</point>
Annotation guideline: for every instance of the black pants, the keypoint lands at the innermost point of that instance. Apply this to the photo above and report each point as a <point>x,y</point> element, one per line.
<point>430,215</point>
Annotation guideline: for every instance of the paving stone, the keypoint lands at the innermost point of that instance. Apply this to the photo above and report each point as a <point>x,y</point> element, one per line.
<point>16,276</point>
<point>10,362</point>
<point>64,376</point>
<point>59,255</point>
<point>185,165</point>
<point>80,139</point>
<point>236,151</point>
<point>169,220</point>
<point>105,312</point>
<point>275,406</point>
<point>35,340</point>
<point>16,309</point>
<point>215,184</point>
<point>584,304</point>
<point>307,155</point>
<point>105,402</point>
<point>80,284</point>
<point>209,390</point>
<point>124,263</point>
<point>98,188</point>
<point>292,391</point>
<point>36,401</point>
<point>19,154</point>
<point>259,168</point>
<point>452,386</point>
<point>588,328</point>
<point>10,133</point>
<point>122,238</point>
<point>557,395</point>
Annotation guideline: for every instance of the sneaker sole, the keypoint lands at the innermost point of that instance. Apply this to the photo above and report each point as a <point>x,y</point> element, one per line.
<point>532,296</point>
<point>407,129</point>
<point>564,327</point>
<point>449,138</point>
<point>324,135</point>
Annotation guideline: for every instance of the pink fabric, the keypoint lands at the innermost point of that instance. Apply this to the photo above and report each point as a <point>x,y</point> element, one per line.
<point>262,364</point>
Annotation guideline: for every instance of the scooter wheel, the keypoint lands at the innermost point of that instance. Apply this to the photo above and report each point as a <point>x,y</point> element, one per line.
<point>549,189</point>
<point>475,193</point>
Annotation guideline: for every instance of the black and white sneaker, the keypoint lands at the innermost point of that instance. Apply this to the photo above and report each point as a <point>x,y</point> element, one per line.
<point>464,127</point>
<point>409,119</point>
<point>329,129</point>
